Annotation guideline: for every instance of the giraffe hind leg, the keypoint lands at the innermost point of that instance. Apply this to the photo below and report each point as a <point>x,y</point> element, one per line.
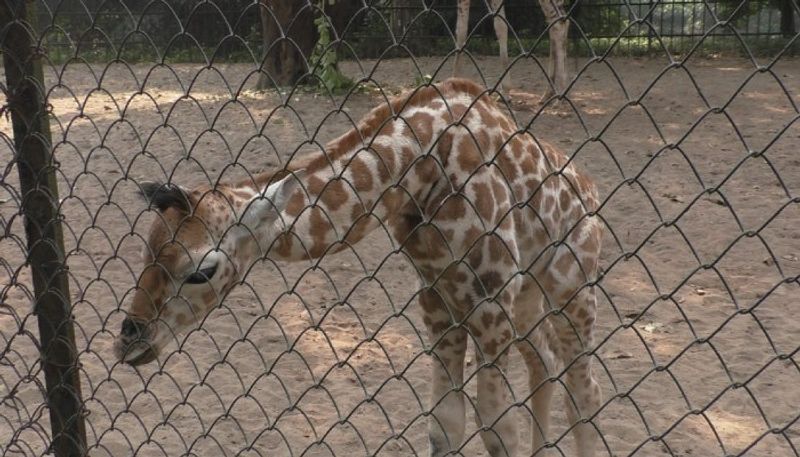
<point>573,266</point>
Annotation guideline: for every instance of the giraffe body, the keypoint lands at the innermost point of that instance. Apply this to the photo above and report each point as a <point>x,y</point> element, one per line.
<point>499,226</point>
<point>558,29</point>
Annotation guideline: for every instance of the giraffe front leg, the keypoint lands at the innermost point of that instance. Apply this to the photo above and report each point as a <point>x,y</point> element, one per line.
<point>558,54</point>
<point>539,366</point>
<point>501,31</point>
<point>446,426</point>
<point>493,332</point>
<point>462,25</point>
<point>558,28</point>
<point>537,354</point>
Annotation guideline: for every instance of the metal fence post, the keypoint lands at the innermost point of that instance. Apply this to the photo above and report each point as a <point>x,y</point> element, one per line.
<point>34,161</point>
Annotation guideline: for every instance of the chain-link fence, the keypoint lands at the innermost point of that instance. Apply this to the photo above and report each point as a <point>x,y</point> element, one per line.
<point>219,239</point>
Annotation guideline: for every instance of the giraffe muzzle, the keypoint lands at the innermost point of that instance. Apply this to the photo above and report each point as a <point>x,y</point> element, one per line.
<point>133,345</point>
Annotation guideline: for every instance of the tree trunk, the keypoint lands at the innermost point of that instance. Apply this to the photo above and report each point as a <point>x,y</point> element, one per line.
<point>401,16</point>
<point>287,30</point>
<point>787,18</point>
<point>289,36</point>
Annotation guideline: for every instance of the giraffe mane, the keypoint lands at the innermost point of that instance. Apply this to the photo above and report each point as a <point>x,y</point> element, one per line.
<point>368,127</point>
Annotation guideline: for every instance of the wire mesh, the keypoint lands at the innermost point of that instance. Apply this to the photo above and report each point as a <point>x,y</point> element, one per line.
<point>693,151</point>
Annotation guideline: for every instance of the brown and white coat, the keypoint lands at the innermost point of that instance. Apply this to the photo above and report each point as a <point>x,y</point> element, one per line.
<point>500,226</point>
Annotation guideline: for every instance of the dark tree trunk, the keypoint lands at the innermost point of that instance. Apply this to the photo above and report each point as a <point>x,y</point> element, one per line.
<point>401,16</point>
<point>787,18</point>
<point>289,36</point>
<point>287,28</point>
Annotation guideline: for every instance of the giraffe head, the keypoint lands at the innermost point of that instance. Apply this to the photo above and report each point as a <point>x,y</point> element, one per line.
<point>198,247</point>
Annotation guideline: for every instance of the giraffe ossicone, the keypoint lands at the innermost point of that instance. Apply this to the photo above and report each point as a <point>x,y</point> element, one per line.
<point>500,226</point>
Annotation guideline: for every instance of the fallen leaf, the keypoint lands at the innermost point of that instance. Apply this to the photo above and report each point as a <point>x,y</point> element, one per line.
<point>619,355</point>
<point>653,327</point>
<point>717,201</point>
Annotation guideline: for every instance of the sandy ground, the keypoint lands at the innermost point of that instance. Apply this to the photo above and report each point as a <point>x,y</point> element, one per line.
<point>698,327</point>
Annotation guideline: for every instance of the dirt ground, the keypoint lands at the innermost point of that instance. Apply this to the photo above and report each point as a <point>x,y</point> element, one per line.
<point>698,326</point>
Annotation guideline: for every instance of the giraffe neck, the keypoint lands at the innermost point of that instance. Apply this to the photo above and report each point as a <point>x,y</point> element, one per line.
<point>365,177</point>
<point>349,193</point>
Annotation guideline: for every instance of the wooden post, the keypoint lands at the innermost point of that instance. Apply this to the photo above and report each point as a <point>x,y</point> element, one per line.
<point>34,162</point>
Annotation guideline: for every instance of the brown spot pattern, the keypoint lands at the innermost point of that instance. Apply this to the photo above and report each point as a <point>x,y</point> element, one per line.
<point>362,177</point>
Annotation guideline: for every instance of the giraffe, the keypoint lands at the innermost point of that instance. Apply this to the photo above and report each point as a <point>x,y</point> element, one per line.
<point>500,226</point>
<point>558,28</point>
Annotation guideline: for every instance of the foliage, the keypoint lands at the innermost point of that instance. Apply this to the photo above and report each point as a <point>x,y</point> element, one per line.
<point>423,80</point>
<point>193,31</point>
<point>324,60</point>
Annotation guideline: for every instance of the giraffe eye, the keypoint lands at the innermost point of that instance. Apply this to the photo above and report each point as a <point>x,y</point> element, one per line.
<point>202,275</point>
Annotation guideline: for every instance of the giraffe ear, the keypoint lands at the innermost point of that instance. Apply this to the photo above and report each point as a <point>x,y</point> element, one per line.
<point>278,193</point>
<point>268,203</point>
<point>164,196</point>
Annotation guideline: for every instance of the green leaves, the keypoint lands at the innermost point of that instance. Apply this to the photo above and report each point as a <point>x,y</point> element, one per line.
<point>324,60</point>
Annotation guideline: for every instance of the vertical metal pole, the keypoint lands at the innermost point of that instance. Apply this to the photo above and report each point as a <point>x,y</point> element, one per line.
<point>34,161</point>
